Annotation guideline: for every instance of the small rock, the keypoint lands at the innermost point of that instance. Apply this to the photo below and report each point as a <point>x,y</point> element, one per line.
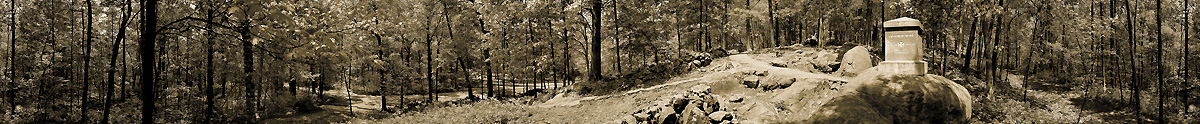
<point>761,73</point>
<point>720,115</point>
<point>736,99</point>
<point>750,81</point>
<point>641,116</point>
<point>653,109</point>
<point>779,64</point>
<point>629,120</point>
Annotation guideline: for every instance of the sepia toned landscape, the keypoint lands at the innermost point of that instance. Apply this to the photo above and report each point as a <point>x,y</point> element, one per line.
<point>598,61</point>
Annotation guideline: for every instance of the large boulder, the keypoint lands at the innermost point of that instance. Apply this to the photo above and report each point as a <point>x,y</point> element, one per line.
<point>693,114</point>
<point>882,97</point>
<point>855,60</point>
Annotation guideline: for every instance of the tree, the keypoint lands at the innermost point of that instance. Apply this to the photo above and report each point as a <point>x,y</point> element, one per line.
<point>595,69</point>
<point>147,52</point>
<point>87,62</point>
<point>210,109</point>
<point>12,53</point>
<point>1162,95</point>
<point>617,38</point>
<point>382,80</point>
<point>248,63</point>
<point>774,24</point>
<point>429,54</point>
<point>112,63</point>
<point>1137,92</point>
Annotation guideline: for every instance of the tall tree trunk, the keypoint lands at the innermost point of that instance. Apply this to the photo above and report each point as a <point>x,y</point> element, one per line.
<point>617,34</point>
<point>112,63</point>
<point>1137,92</point>
<point>1162,94</point>
<point>488,64</point>
<point>146,50</point>
<point>87,62</point>
<point>383,86</point>
<point>774,24</point>
<point>248,69</point>
<point>595,69</point>
<point>966,69</point>
<point>350,102</point>
<point>992,69</point>
<point>466,77</point>
<point>12,53</point>
<point>429,56</point>
<point>211,108</point>
<point>566,54</point>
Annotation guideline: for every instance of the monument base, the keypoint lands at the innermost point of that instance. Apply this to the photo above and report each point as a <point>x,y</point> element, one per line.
<point>904,67</point>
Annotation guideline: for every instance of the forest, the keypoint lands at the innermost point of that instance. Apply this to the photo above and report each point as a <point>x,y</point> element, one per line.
<point>504,61</point>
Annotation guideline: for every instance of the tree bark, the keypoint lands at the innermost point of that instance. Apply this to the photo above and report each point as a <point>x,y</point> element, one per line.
<point>1187,21</point>
<point>617,34</point>
<point>248,69</point>
<point>383,86</point>
<point>774,24</point>
<point>211,108</point>
<point>112,63</point>
<point>12,53</point>
<point>429,56</point>
<point>87,62</point>
<point>488,65</point>
<point>966,69</point>
<point>147,52</point>
<point>1162,94</point>
<point>595,69</point>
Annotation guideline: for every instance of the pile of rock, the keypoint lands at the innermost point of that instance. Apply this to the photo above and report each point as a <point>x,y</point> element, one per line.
<point>823,61</point>
<point>697,106</point>
<point>701,59</point>
<point>812,61</point>
<point>761,80</point>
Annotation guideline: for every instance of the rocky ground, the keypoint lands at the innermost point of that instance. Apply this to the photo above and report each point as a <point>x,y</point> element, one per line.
<point>784,85</point>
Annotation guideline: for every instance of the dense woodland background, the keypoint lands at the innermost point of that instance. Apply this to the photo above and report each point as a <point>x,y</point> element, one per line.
<point>212,61</point>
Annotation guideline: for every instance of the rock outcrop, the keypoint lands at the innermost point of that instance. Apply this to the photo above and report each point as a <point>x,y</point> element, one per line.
<point>879,97</point>
<point>697,106</point>
<point>765,81</point>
